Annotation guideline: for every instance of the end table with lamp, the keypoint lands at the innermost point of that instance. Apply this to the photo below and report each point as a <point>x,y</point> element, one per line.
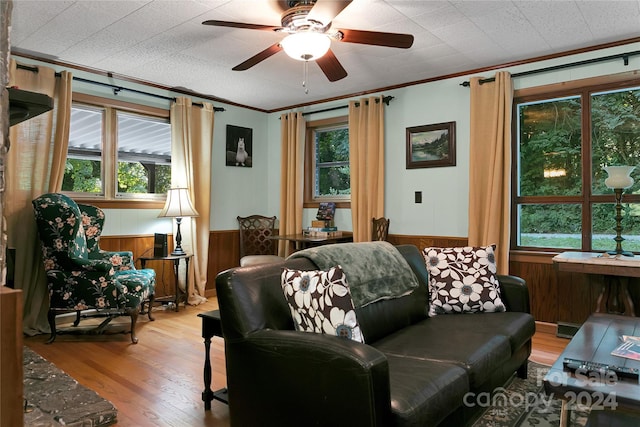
<point>178,205</point>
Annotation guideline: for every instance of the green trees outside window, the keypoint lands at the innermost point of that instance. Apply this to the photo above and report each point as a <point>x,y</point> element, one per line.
<point>332,162</point>
<point>326,164</point>
<point>562,144</point>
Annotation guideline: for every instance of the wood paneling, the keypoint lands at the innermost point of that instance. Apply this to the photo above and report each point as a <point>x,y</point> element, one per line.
<point>542,282</point>
<point>224,253</point>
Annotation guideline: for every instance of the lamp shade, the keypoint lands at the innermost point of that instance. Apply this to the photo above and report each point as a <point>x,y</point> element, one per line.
<point>619,176</point>
<point>178,204</point>
<point>306,46</point>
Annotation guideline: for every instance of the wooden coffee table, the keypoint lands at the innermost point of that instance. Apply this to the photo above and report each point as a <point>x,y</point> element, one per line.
<point>595,341</point>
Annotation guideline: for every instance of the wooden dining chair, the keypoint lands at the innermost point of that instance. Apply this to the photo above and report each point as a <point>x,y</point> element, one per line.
<point>255,245</point>
<point>379,228</point>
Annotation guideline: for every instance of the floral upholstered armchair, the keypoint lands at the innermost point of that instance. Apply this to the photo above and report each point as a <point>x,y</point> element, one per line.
<point>122,261</point>
<point>82,277</point>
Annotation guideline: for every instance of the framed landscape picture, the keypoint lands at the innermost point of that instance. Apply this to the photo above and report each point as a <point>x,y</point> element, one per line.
<point>431,145</point>
<point>239,146</point>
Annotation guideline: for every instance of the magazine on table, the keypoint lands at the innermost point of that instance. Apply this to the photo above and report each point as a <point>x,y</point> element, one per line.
<point>630,348</point>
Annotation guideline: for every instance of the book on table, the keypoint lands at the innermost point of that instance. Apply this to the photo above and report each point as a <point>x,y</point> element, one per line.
<point>326,211</point>
<point>630,348</point>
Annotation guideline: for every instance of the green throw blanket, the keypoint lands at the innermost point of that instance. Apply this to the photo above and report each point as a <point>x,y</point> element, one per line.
<point>374,270</point>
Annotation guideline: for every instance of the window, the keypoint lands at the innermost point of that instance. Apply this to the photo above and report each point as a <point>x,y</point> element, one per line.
<point>117,151</point>
<point>562,142</point>
<point>327,173</point>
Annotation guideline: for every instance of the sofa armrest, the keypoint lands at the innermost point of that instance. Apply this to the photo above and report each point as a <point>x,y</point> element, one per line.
<point>514,293</point>
<point>302,378</point>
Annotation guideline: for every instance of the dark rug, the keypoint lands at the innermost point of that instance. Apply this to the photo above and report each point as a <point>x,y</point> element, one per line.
<point>523,403</point>
<point>53,398</point>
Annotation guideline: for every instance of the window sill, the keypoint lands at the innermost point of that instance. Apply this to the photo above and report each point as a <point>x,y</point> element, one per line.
<point>122,204</point>
<point>339,204</point>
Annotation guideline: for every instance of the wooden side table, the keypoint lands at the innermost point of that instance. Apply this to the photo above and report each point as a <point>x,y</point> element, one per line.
<point>211,326</point>
<point>614,297</point>
<point>179,295</point>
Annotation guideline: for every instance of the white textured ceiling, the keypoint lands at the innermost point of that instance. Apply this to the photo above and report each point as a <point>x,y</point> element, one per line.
<point>164,41</point>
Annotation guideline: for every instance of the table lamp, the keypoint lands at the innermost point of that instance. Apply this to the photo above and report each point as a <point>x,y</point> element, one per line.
<point>618,180</point>
<point>178,206</point>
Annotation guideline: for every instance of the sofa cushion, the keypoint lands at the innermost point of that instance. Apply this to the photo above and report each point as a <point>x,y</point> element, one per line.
<point>462,280</point>
<point>423,392</point>
<point>479,351</point>
<point>515,326</point>
<point>320,302</point>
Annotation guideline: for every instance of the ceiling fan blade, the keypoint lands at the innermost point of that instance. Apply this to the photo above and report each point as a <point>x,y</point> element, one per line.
<point>268,52</point>
<point>377,38</point>
<point>241,25</point>
<point>331,67</point>
<point>325,10</point>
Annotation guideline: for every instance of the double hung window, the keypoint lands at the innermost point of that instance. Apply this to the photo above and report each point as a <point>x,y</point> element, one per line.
<point>327,171</point>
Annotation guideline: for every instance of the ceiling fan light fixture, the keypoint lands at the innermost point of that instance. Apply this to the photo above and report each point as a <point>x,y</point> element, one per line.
<point>306,46</point>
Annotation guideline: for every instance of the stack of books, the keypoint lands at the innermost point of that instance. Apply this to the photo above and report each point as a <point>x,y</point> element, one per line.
<point>323,225</point>
<point>323,232</point>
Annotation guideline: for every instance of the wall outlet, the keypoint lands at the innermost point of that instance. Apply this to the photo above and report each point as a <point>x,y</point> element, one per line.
<point>418,196</point>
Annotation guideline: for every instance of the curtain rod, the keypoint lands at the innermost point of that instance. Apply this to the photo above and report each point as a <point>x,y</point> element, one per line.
<point>117,89</point>
<point>624,56</point>
<point>385,99</point>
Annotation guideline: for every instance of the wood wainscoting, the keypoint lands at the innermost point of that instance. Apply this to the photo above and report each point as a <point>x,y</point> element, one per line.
<point>556,297</point>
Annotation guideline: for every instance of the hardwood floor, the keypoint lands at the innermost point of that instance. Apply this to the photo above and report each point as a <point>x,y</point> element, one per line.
<point>158,382</point>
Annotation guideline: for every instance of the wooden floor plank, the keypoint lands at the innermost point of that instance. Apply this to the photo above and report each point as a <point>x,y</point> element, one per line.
<point>158,382</point>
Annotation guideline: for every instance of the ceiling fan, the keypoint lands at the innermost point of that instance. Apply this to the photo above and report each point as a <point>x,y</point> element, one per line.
<point>307,24</point>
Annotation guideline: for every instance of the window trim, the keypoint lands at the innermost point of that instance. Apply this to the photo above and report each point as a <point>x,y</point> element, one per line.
<point>309,164</point>
<point>582,88</point>
<point>110,199</point>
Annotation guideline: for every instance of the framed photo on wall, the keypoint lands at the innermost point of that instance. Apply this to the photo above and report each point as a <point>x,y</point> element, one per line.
<point>239,146</point>
<point>431,146</point>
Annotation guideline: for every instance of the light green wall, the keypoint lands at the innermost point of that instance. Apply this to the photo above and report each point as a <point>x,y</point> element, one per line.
<point>243,191</point>
<point>444,210</point>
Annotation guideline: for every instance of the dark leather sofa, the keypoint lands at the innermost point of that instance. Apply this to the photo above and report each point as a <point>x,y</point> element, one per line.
<point>413,371</point>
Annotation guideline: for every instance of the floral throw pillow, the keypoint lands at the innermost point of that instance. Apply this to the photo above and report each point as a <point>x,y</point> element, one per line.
<point>463,280</point>
<point>320,301</point>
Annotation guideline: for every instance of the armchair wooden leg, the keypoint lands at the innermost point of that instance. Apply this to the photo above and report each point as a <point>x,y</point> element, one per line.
<point>77,321</point>
<point>152,298</point>
<point>134,318</point>
<point>51,317</point>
